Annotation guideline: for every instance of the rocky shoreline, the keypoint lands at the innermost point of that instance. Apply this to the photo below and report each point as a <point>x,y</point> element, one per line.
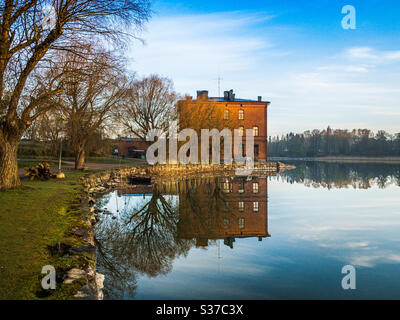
<point>86,275</point>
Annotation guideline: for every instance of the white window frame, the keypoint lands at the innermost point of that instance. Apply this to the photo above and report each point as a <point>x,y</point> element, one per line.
<point>256,206</point>
<point>256,187</point>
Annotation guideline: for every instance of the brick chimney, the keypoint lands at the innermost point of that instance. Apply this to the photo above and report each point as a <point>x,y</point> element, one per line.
<point>202,95</point>
<point>259,98</point>
<point>226,95</point>
<point>229,96</point>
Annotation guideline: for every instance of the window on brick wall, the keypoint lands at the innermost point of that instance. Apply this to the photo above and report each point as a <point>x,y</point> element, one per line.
<point>226,206</point>
<point>226,115</point>
<point>227,186</point>
<point>241,206</point>
<point>256,131</point>
<point>241,114</point>
<point>256,206</point>
<point>241,223</point>
<point>256,187</point>
<point>226,223</point>
<point>241,187</point>
<point>241,131</point>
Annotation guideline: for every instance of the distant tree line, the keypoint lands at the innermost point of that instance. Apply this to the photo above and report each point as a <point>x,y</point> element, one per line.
<point>338,142</point>
<point>316,174</point>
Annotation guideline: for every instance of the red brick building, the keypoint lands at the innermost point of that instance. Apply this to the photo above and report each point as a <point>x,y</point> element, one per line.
<point>251,115</point>
<point>132,148</point>
<point>248,115</point>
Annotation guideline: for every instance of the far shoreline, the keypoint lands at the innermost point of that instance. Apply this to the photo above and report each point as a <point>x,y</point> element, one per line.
<point>349,159</point>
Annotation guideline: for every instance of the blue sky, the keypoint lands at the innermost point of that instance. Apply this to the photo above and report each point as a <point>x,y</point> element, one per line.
<point>294,53</point>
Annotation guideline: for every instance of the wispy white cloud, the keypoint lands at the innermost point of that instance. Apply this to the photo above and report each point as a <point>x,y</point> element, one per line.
<point>371,260</point>
<point>193,49</point>
<point>345,68</point>
<point>368,53</point>
<point>361,53</point>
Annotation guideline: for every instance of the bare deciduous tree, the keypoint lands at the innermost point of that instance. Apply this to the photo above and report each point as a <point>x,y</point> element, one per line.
<point>92,87</point>
<point>47,128</point>
<point>26,43</point>
<point>149,105</point>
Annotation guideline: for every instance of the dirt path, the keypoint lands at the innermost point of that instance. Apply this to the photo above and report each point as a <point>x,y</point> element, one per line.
<point>69,166</point>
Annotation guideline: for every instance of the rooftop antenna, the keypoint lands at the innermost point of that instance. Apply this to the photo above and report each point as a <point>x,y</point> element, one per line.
<point>219,79</point>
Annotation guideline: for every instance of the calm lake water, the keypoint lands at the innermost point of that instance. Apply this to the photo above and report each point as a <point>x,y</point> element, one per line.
<point>281,237</point>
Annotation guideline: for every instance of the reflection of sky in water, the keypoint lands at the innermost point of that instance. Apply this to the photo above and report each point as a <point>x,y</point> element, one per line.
<point>315,232</point>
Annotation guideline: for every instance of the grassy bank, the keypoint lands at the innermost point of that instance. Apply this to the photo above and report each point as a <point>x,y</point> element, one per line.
<point>33,218</point>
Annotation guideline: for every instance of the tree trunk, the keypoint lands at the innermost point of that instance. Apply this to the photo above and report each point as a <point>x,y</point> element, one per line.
<point>80,159</point>
<point>9,178</point>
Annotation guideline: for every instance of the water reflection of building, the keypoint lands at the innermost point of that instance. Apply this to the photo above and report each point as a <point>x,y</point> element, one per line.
<point>216,207</point>
<point>223,208</point>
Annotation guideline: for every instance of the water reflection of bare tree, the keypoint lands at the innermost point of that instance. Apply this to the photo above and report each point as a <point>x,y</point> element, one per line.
<point>108,240</point>
<point>111,260</point>
<point>152,235</point>
<point>143,241</point>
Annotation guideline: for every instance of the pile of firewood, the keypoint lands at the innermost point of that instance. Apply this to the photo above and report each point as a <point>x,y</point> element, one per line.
<point>42,172</point>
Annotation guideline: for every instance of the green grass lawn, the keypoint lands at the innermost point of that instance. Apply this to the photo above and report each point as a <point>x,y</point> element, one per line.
<point>32,218</point>
<point>26,164</point>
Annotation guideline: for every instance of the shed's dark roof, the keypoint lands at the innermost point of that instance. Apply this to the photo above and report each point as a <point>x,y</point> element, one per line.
<point>124,139</point>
